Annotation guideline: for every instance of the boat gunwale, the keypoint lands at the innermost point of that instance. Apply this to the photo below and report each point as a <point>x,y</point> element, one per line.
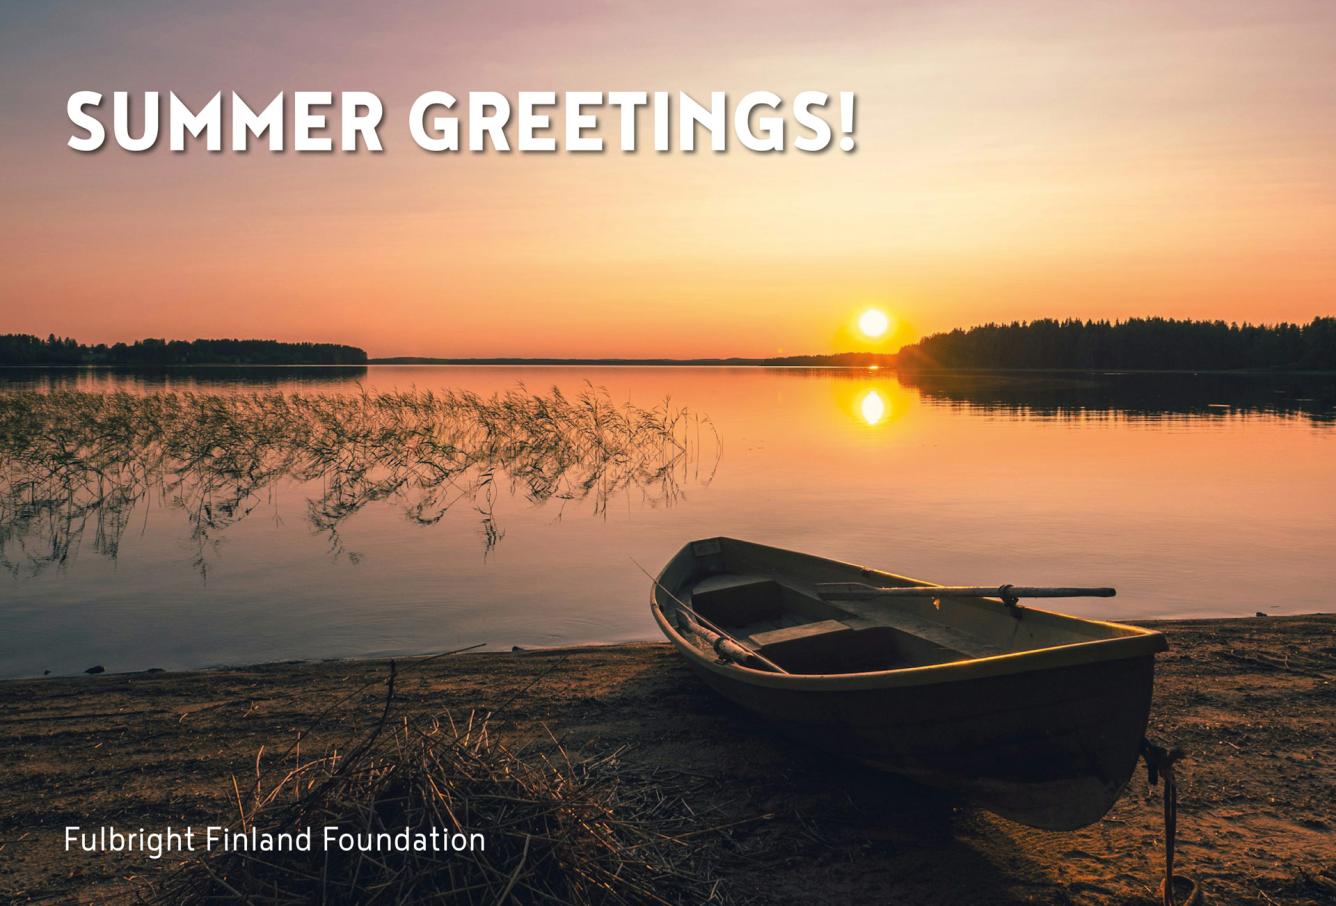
<point>1134,642</point>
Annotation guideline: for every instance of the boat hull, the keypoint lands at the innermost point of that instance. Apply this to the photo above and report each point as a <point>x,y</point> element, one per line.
<point>1052,750</point>
<point>1042,725</point>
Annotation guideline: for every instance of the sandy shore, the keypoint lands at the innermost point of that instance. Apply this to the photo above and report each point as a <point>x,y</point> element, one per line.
<point>1253,701</point>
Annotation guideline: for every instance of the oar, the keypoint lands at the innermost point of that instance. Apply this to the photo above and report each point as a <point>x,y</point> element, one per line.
<point>725,636</point>
<point>1009,594</point>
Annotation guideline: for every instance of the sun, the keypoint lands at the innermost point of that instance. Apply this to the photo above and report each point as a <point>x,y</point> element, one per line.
<point>874,323</point>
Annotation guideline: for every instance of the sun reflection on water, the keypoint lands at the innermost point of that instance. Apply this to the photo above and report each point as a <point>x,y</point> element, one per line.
<point>872,407</point>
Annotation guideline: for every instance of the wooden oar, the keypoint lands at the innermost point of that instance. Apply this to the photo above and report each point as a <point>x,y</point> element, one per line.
<point>1010,594</point>
<point>725,636</point>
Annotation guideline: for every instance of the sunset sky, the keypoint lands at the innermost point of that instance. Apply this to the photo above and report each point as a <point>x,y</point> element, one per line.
<point>1014,160</point>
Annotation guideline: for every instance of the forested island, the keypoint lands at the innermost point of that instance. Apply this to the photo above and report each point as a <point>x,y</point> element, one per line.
<point>1138,344</point>
<point>25,349</point>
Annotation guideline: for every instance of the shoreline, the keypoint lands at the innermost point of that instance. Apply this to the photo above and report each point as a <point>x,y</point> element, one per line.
<point>504,362</point>
<point>501,648</point>
<point>1248,698</point>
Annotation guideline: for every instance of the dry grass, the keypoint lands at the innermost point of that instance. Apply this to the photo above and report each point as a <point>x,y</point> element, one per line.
<point>556,828</point>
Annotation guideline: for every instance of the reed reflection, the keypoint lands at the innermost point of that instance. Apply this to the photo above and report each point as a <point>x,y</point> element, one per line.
<point>75,465</point>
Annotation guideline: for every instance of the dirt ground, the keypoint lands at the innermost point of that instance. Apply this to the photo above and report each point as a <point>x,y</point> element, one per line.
<point>1252,701</point>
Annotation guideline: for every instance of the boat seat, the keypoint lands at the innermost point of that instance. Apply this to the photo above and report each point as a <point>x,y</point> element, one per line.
<point>794,633</point>
<point>733,600</point>
<point>728,582</point>
<point>939,634</point>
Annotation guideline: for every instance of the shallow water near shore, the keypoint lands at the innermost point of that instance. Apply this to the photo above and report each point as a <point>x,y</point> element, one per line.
<point>1195,495</point>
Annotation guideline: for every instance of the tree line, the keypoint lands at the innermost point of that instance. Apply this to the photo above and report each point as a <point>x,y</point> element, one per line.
<point>25,349</point>
<point>1135,344</point>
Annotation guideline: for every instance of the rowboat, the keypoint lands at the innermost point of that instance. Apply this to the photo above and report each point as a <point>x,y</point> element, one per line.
<point>1032,715</point>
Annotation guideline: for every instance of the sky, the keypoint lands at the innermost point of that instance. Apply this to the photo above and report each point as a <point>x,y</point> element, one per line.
<point>1015,159</point>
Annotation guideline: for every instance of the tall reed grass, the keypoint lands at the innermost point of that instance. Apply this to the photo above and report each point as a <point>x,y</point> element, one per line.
<point>75,466</point>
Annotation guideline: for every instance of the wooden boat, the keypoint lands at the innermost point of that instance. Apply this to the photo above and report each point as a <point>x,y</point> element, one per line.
<point>1033,715</point>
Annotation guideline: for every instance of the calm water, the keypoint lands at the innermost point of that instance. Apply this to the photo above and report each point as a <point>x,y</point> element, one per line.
<point>1195,496</point>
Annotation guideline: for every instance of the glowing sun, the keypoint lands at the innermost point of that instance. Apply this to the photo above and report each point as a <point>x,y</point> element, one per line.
<point>874,323</point>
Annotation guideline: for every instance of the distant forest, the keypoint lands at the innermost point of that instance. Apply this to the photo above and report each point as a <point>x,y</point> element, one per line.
<point>1139,344</point>
<point>1136,344</point>
<point>24,349</point>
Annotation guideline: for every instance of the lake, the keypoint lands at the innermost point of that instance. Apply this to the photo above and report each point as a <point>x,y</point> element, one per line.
<point>205,532</point>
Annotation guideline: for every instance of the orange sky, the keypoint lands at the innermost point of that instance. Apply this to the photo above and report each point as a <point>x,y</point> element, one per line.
<point>1015,160</point>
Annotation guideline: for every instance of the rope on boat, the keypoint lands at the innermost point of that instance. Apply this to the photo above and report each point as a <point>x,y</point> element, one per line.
<point>724,645</point>
<point>1160,763</point>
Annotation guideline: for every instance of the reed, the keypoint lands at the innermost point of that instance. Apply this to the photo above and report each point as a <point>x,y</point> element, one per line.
<point>75,465</point>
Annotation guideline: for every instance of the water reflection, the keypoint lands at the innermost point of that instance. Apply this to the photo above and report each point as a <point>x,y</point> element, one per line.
<point>75,465</point>
<point>872,407</point>
<point>868,400</point>
<point>1061,396</point>
<point>142,379</point>
<point>962,479</point>
<point>1079,395</point>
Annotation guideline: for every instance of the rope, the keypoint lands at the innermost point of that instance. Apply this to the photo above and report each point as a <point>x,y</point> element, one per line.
<point>1160,763</point>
